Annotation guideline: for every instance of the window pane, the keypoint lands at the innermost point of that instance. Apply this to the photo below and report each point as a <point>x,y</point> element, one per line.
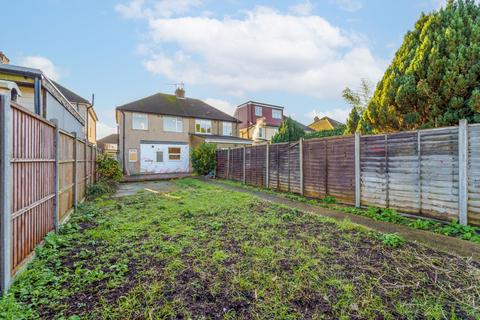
<point>179,125</point>
<point>173,150</point>
<point>276,114</point>
<point>169,124</point>
<point>139,121</point>
<point>258,111</point>
<point>132,155</point>
<point>227,129</point>
<point>174,157</point>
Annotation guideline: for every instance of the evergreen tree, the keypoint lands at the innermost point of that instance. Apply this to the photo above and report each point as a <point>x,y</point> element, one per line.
<point>434,78</point>
<point>289,131</point>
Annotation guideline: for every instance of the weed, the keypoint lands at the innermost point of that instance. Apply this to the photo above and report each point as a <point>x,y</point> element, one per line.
<point>391,240</point>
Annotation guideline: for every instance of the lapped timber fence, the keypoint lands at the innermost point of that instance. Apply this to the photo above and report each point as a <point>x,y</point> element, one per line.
<point>432,173</point>
<point>44,172</point>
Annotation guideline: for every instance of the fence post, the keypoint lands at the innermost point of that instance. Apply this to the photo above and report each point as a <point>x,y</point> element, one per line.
<point>244,164</point>
<point>85,164</point>
<point>419,170</point>
<point>387,182</point>
<point>357,171</point>
<point>6,139</point>
<point>267,166</point>
<point>300,150</point>
<point>75,171</point>
<point>56,146</point>
<point>462,172</point>
<point>228,163</point>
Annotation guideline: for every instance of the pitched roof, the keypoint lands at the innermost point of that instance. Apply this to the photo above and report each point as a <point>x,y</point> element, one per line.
<point>168,104</point>
<point>317,124</point>
<point>113,138</point>
<point>70,95</point>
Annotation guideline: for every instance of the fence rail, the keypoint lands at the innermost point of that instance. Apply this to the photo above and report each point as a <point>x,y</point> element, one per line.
<point>432,173</point>
<point>42,180</point>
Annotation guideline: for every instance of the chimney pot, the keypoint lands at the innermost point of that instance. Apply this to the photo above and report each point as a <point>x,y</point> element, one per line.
<point>180,93</point>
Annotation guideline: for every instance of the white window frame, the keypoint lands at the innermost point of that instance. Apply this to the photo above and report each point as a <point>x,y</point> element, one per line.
<point>135,126</point>
<point>204,125</point>
<point>230,125</point>
<point>174,153</point>
<point>178,124</point>
<point>258,111</point>
<point>276,112</point>
<point>260,131</point>
<point>130,153</point>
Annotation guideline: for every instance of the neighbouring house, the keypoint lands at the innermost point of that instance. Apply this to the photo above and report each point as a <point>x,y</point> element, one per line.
<point>109,145</point>
<point>325,123</point>
<point>260,121</point>
<point>85,108</point>
<point>40,95</point>
<point>156,133</point>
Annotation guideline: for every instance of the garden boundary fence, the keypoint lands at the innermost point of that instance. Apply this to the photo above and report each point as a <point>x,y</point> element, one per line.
<point>44,173</point>
<point>432,173</point>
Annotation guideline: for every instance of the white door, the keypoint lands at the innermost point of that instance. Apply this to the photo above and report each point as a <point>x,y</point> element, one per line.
<point>164,158</point>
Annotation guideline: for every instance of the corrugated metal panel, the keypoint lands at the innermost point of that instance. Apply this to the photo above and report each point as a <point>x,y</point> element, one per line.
<point>473,173</point>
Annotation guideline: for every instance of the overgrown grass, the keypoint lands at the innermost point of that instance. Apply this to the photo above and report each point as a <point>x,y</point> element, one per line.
<point>453,229</point>
<point>206,253</point>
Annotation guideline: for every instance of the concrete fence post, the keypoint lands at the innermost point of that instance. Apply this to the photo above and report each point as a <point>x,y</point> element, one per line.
<point>244,165</point>
<point>75,170</point>
<point>56,147</point>
<point>357,171</point>
<point>462,172</point>
<point>300,150</point>
<point>387,178</point>
<point>6,132</point>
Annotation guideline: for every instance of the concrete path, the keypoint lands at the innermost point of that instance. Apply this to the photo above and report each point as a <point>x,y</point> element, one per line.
<point>436,241</point>
<point>129,189</point>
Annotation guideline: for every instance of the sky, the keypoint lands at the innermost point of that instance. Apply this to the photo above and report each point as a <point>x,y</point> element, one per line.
<point>297,54</point>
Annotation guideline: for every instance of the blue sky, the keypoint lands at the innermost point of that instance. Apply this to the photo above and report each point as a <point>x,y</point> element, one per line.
<point>298,54</point>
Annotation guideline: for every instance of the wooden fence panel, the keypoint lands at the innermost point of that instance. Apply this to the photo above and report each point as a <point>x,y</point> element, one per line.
<point>373,168</point>
<point>255,165</point>
<point>65,172</point>
<point>315,168</point>
<point>81,172</point>
<point>283,167</point>
<point>341,168</point>
<point>439,173</point>
<point>294,172</point>
<point>403,172</point>
<point>33,185</point>
<point>273,165</point>
<point>473,173</point>
<point>221,169</point>
<point>237,164</point>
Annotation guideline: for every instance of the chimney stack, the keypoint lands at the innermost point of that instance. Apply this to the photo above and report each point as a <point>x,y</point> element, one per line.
<point>3,58</point>
<point>180,91</point>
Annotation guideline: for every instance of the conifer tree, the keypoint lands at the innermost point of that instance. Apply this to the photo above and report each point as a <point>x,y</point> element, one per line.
<point>434,78</point>
<point>289,131</point>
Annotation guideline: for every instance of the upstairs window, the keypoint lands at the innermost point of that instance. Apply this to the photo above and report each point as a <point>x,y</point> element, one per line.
<point>203,126</point>
<point>276,114</point>
<point>227,129</point>
<point>258,111</point>
<point>173,124</point>
<point>140,121</point>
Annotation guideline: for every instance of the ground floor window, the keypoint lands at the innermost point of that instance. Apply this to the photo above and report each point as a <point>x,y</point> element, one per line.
<point>174,153</point>
<point>132,155</point>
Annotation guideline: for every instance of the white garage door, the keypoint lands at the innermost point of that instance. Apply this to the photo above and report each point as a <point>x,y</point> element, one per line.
<point>164,158</point>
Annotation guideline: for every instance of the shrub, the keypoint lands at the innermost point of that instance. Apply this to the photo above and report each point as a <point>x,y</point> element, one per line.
<point>289,130</point>
<point>98,189</point>
<point>203,158</point>
<point>391,240</point>
<point>109,170</point>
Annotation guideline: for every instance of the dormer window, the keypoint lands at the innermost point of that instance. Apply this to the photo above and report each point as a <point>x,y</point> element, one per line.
<point>276,114</point>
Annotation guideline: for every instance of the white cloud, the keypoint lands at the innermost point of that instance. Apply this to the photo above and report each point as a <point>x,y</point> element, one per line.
<point>44,64</point>
<point>339,114</point>
<point>264,50</point>
<point>104,130</point>
<point>348,5</point>
<point>302,9</point>
<point>222,105</point>
<point>153,9</point>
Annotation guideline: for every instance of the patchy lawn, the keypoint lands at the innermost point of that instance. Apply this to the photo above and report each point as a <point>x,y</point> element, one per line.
<point>203,252</point>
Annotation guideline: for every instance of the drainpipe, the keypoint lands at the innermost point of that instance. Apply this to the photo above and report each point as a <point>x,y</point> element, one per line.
<point>37,92</point>
<point>123,143</point>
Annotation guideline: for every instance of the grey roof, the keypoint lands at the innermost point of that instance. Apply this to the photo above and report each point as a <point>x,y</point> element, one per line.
<point>24,71</point>
<point>219,137</point>
<point>70,95</point>
<point>168,104</point>
<point>113,139</point>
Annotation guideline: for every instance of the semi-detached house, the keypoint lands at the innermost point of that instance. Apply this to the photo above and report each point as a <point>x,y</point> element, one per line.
<point>157,133</point>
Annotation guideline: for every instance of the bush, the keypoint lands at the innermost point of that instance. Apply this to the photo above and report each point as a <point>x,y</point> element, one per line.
<point>109,170</point>
<point>203,158</point>
<point>98,189</point>
<point>289,131</point>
